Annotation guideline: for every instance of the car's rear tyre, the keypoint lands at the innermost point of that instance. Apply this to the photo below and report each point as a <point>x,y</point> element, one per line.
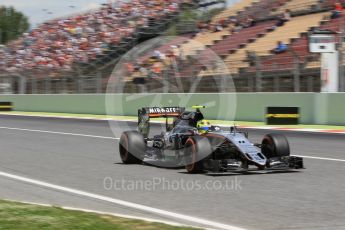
<point>196,150</point>
<point>275,145</point>
<point>132,147</point>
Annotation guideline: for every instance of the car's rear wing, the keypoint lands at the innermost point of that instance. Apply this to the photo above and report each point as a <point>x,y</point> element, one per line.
<point>145,114</point>
<point>156,112</point>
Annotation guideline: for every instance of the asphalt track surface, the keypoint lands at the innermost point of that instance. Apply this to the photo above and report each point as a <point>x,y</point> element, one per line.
<point>311,199</point>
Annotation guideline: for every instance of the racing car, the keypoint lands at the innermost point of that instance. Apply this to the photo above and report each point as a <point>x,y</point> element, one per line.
<point>202,148</point>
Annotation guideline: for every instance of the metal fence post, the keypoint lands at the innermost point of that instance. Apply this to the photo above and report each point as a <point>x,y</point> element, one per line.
<point>276,83</point>
<point>224,83</point>
<point>99,82</point>
<point>79,84</point>
<point>63,85</point>
<point>341,56</point>
<point>250,83</point>
<point>166,84</point>
<point>296,71</point>
<point>22,84</point>
<point>33,85</point>
<point>47,85</point>
<point>13,84</point>
<point>310,83</point>
<point>341,71</point>
<point>258,76</point>
<point>296,75</point>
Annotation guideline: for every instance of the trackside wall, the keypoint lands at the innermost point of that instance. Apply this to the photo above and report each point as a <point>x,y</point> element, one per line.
<point>315,108</point>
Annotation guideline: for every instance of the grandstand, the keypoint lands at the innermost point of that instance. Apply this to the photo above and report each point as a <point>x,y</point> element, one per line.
<point>263,46</point>
<point>234,48</point>
<point>230,44</point>
<point>234,9</point>
<point>298,49</point>
<point>87,37</point>
<point>298,6</point>
<point>202,40</point>
<point>84,48</point>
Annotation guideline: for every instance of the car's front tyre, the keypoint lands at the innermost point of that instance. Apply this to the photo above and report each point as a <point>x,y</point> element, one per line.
<point>196,150</point>
<point>275,145</point>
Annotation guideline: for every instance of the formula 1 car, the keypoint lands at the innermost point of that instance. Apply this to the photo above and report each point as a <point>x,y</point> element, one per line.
<point>215,151</point>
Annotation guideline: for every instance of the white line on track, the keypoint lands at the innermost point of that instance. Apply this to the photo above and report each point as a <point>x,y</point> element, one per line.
<point>321,158</point>
<point>61,133</point>
<point>122,203</point>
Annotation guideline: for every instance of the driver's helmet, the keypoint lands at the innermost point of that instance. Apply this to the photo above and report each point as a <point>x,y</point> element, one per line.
<point>203,126</point>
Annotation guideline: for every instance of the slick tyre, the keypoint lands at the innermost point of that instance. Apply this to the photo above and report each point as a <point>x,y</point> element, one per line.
<point>196,150</point>
<point>275,145</point>
<point>132,147</point>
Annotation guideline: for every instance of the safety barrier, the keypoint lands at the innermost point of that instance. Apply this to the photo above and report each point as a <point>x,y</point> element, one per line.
<point>315,108</point>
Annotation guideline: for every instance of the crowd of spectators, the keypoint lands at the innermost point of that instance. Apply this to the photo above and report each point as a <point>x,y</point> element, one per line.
<point>164,61</point>
<point>174,57</point>
<point>156,63</point>
<point>58,44</point>
<point>231,23</point>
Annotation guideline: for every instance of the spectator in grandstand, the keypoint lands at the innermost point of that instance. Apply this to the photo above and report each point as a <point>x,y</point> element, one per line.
<point>143,71</point>
<point>281,48</point>
<point>156,69</point>
<point>175,50</point>
<point>202,26</point>
<point>158,55</point>
<point>232,19</point>
<point>248,22</point>
<point>285,18</point>
<point>251,57</point>
<point>237,28</point>
<point>182,57</point>
<point>218,27</point>
<point>287,15</point>
<point>338,8</point>
<point>223,23</point>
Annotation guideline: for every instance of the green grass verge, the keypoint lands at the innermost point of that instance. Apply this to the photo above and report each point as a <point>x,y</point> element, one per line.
<point>240,123</point>
<point>18,216</point>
